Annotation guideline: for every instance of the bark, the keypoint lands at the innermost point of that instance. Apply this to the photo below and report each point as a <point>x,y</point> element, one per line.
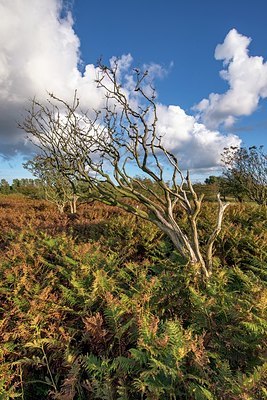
<point>215,233</point>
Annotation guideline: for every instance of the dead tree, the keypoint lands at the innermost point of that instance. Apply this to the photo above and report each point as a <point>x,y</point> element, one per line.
<point>117,143</point>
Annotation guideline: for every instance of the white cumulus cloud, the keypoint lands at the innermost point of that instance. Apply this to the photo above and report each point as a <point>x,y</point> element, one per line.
<point>195,145</point>
<point>39,53</point>
<point>247,79</point>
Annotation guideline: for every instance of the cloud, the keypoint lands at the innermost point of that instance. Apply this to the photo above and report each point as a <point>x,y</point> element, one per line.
<point>40,53</point>
<point>247,79</point>
<point>195,145</point>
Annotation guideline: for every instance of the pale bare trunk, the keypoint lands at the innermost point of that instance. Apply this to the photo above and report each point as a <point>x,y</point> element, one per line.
<point>215,233</point>
<point>188,246</point>
<point>73,204</point>
<point>183,245</point>
<point>61,208</point>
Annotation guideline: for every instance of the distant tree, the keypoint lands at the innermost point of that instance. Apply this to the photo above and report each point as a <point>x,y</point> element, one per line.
<point>103,149</point>
<point>212,179</point>
<point>245,171</point>
<point>27,186</point>
<point>215,184</point>
<point>4,186</point>
<point>57,188</point>
<point>15,185</point>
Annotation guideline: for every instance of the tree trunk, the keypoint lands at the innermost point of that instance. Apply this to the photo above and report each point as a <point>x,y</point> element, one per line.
<point>182,244</point>
<point>188,246</point>
<point>61,208</point>
<point>73,204</point>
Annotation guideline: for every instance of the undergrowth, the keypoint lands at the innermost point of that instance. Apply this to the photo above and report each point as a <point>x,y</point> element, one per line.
<point>100,306</point>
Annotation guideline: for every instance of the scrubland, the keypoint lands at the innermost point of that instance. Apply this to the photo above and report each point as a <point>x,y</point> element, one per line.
<point>99,305</point>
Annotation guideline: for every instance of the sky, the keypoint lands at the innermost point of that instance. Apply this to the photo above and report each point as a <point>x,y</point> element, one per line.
<point>208,59</point>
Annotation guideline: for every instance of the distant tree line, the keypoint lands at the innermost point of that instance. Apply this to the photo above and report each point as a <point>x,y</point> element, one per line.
<point>244,178</point>
<point>26,186</point>
<point>51,187</point>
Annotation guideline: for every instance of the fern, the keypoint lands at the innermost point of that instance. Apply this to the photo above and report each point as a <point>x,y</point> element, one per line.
<point>124,365</point>
<point>200,392</point>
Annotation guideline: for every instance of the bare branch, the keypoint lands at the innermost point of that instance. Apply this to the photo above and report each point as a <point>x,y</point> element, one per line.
<point>106,148</point>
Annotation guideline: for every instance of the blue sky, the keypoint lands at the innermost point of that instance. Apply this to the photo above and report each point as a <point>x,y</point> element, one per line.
<point>40,52</point>
<point>183,32</point>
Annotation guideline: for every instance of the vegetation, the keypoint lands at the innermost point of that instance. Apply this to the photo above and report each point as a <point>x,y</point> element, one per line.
<point>27,187</point>
<point>55,186</point>
<point>94,307</point>
<point>245,173</point>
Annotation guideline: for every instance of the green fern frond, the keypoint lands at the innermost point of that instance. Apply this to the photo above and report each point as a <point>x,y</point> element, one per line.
<point>123,365</point>
<point>139,356</point>
<point>199,392</point>
<point>102,283</point>
<point>256,328</point>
